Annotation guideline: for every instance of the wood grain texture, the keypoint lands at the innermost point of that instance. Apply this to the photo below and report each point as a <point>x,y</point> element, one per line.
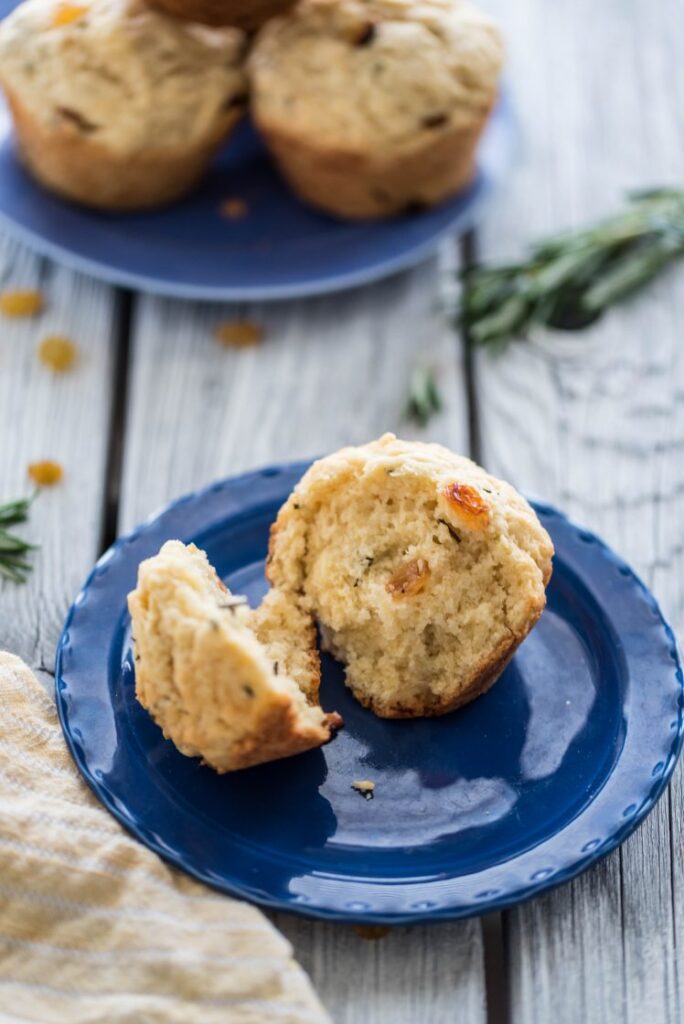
<point>594,423</point>
<point>419,975</point>
<point>47,416</point>
<point>329,372</point>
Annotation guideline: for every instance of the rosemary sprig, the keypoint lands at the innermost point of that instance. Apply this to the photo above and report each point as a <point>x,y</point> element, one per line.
<point>424,399</point>
<point>570,279</point>
<point>14,564</point>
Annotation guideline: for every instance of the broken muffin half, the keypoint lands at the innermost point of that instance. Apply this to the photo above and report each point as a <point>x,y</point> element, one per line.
<point>233,686</point>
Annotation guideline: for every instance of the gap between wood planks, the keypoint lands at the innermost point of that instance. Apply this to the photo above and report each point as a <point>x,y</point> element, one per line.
<point>117,424</point>
<point>496,978</point>
<point>468,258</point>
<point>493,934</point>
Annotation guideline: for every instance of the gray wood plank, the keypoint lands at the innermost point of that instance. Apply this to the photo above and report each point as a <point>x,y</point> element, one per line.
<point>418,975</point>
<point>48,416</point>
<point>329,372</point>
<point>594,423</point>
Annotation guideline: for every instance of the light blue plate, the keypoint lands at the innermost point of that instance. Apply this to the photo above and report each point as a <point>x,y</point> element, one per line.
<point>280,250</point>
<point>515,793</point>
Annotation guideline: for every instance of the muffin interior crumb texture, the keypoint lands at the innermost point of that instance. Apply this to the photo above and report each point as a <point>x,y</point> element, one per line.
<point>424,572</point>
<point>229,685</point>
<point>289,639</point>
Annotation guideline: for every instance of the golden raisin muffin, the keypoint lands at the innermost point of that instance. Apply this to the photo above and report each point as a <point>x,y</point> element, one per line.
<point>245,14</point>
<point>115,105</point>
<point>374,107</point>
<point>229,685</point>
<point>424,572</point>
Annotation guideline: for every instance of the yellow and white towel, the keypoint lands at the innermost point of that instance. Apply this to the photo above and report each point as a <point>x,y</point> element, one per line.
<point>96,929</point>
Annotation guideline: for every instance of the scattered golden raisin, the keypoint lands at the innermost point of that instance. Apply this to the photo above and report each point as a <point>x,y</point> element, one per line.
<point>45,473</point>
<point>373,932</point>
<point>240,333</point>
<point>409,580</point>
<point>234,208</point>
<point>57,352</point>
<point>66,13</point>
<point>468,505</point>
<point>21,302</point>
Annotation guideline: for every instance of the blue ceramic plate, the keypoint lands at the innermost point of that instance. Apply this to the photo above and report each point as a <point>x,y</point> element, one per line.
<point>519,791</point>
<point>281,249</point>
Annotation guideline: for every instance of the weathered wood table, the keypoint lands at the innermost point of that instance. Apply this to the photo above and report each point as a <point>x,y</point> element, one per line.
<point>593,422</point>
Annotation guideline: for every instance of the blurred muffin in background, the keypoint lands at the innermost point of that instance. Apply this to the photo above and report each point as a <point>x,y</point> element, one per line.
<point>373,107</point>
<point>115,105</point>
<point>248,15</point>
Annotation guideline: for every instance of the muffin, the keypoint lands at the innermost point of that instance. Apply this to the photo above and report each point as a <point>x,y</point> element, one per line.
<point>374,107</point>
<point>424,572</point>
<point>224,683</point>
<point>115,105</point>
<point>245,14</point>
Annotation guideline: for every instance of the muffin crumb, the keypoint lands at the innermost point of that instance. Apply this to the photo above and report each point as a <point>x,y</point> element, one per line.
<point>365,787</point>
<point>234,208</point>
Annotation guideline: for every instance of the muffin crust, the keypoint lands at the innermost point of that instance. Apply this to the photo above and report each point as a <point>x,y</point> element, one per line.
<point>373,107</point>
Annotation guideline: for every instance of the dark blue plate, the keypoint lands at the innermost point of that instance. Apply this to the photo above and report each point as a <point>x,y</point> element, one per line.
<point>281,249</point>
<point>519,791</point>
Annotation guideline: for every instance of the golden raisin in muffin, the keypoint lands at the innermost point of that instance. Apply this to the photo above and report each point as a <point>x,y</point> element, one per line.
<point>115,105</point>
<point>425,573</point>
<point>373,107</point>
<point>248,15</point>
<point>229,685</point>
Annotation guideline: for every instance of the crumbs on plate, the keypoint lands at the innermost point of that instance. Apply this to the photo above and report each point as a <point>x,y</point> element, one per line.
<point>365,787</point>
<point>234,208</point>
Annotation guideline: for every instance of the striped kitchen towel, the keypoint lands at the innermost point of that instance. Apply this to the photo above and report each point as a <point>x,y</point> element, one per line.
<point>96,929</point>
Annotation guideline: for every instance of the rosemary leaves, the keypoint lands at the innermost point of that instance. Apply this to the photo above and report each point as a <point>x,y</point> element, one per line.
<point>424,399</point>
<point>14,564</point>
<point>570,279</point>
